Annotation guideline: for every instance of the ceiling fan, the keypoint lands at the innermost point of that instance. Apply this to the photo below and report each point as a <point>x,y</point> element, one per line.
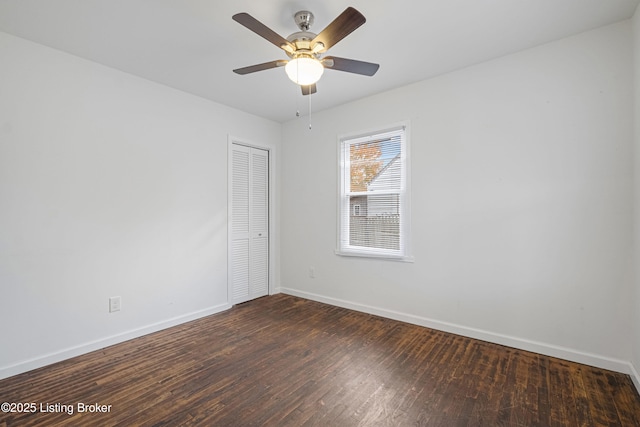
<point>306,48</point>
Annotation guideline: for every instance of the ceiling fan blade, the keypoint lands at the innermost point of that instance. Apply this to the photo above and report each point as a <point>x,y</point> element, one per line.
<point>350,65</point>
<point>263,31</point>
<point>309,89</point>
<point>341,27</point>
<point>260,67</point>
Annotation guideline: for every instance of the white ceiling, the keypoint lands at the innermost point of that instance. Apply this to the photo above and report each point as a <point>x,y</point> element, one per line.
<point>193,45</point>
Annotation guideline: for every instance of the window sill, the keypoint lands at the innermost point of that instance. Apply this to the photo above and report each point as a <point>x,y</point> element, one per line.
<point>365,254</point>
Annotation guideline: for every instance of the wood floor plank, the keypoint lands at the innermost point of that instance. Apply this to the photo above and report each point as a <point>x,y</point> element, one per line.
<point>285,361</point>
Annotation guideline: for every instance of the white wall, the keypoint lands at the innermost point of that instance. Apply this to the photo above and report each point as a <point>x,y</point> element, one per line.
<point>522,201</point>
<point>636,256</point>
<point>109,185</point>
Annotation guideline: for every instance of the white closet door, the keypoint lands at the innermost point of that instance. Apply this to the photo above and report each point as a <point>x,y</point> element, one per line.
<point>239,268</point>
<point>249,248</point>
<point>259,223</point>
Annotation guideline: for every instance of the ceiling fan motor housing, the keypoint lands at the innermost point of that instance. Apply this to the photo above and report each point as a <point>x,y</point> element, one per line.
<point>302,39</point>
<point>302,42</point>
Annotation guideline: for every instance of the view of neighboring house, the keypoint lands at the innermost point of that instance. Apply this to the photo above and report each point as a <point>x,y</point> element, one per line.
<point>375,217</point>
<point>387,179</point>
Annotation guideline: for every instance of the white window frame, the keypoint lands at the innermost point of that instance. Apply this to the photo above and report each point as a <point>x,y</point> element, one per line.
<point>344,248</point>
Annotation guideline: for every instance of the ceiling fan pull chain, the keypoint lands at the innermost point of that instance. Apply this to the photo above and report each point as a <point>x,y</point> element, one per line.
<point>309,96</point>
<point>297,104</point>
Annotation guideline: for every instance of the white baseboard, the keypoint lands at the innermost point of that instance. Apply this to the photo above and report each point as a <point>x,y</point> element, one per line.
<point>635,377</point>
<point>47,359</point>
<point>275,290</point>
<point>509,341</point>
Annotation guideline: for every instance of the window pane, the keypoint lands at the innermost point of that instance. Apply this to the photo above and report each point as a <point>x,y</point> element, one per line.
<point>375,165</point>
<point>375,230</point>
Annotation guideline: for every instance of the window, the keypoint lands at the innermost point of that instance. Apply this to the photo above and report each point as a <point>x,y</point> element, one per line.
<point>374,197</point>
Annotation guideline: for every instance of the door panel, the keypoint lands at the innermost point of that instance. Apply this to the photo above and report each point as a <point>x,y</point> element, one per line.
<point>259,193</point>
<point>240,269</point>
<point>240,189</point>
<point>259,267</point>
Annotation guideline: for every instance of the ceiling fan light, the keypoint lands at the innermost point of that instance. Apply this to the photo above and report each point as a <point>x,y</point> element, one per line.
<point>304,71</point>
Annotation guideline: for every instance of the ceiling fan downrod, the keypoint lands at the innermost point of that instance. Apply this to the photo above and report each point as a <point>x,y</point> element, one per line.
<point>304,20</point>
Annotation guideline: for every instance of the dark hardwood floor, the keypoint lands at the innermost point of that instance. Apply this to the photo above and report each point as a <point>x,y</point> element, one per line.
<point>286,361</point>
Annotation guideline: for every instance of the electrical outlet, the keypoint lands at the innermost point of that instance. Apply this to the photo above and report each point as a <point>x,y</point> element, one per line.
<point>114,304</point>
<point>312,272</point>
